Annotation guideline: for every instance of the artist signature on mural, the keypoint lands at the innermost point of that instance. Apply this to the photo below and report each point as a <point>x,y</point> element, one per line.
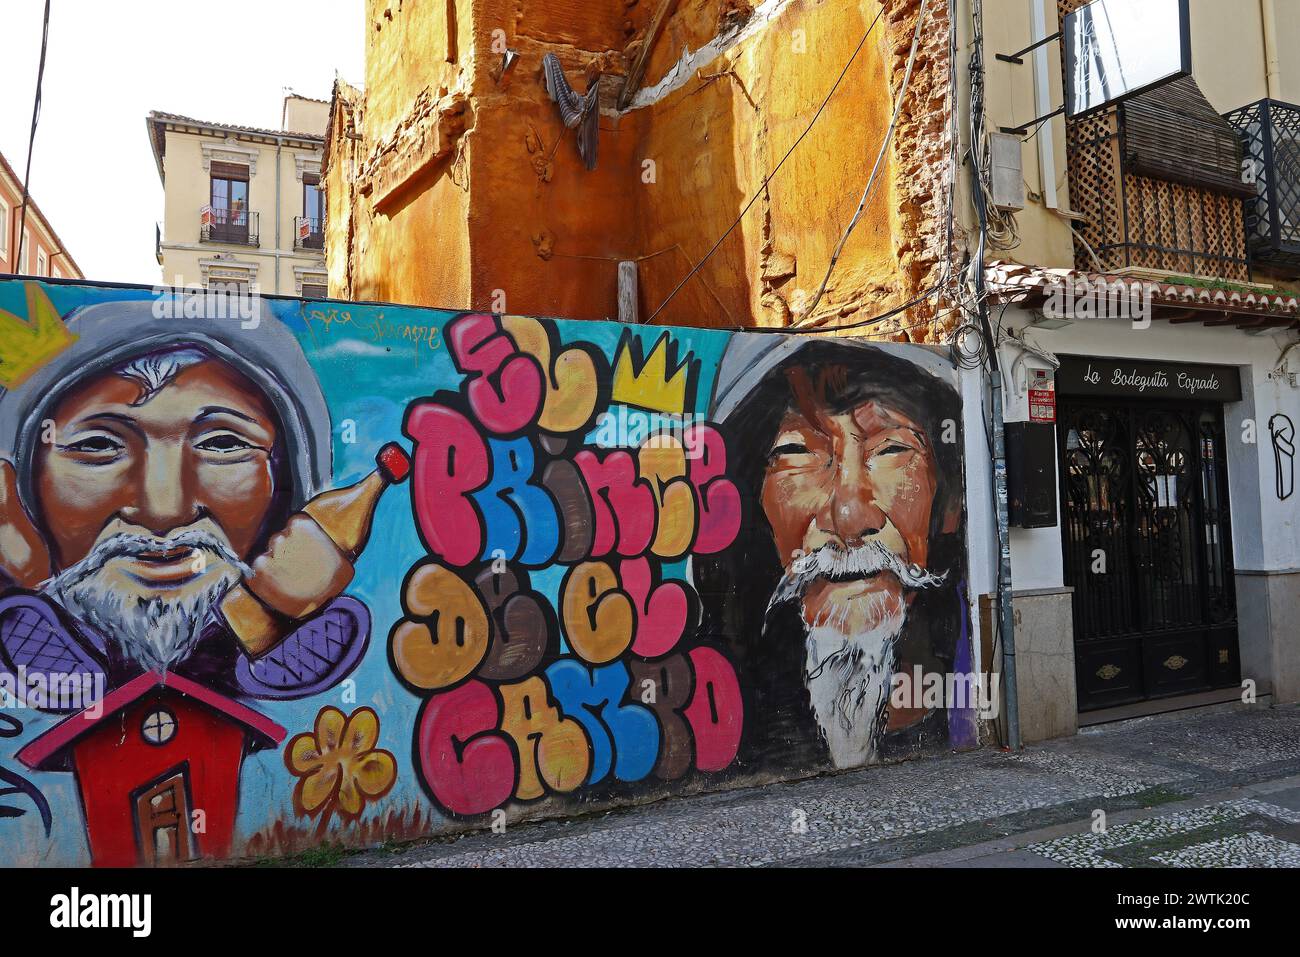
<point>375,328</point>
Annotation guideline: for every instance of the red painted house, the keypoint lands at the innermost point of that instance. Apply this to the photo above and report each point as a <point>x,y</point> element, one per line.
<point>158,749</point>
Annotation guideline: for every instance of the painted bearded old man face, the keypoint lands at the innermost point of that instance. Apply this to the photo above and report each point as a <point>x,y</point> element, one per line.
<point>849,491</point>
<point>155,490</point>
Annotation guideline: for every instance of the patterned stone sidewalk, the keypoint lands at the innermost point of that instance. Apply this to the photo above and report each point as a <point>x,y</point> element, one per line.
<point>1181,790</point>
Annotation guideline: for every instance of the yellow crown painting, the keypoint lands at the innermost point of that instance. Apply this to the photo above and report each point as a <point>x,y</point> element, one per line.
<point>27,345</point>
<point>659,382</point>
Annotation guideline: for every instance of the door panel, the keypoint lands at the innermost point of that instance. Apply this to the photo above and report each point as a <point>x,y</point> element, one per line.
<point>162,821</point>
<point>1147,548</point>
<point>1108,672</point>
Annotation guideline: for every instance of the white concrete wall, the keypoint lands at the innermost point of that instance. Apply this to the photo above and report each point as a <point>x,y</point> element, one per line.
<point>981,527</point>
<point>1264,530</point>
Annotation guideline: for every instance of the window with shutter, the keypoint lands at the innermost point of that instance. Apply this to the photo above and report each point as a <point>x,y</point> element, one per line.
<point>1174,134</point>
<point>229,200</point>
<point>313,210</point>
<point>237,171</point>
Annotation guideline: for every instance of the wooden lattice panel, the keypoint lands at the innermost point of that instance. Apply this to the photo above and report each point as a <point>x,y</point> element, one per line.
<point>1094,171</point>
<point>1180,229</point>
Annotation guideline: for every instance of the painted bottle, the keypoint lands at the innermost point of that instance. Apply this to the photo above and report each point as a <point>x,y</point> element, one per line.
<point>346,514</point>
<point>309,562</point>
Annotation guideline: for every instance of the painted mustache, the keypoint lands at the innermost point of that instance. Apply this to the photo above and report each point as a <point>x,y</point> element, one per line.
<point>851,564</point>
<point>132,545</point>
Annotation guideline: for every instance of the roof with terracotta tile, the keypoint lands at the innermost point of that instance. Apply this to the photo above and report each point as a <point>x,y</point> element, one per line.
<point>158,121</point>
<point>1009,281</point>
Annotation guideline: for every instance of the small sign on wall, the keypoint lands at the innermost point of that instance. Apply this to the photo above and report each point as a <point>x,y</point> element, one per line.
<point>1042,397</point>
<point>1042,405</point>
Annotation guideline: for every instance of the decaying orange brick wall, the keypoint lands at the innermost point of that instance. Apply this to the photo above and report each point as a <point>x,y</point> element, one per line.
<point>451,184</point>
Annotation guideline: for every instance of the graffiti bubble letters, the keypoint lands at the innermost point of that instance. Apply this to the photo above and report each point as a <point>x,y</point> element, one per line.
<point>525,696</point>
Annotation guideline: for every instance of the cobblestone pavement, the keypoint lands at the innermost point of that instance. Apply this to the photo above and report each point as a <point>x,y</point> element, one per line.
<point>1204,788</point>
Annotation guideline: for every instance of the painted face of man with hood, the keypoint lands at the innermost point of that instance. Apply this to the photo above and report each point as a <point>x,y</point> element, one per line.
<point>849,492</point>
<point>143,465</point>
<point>159,482</point>
<point>851,484</point>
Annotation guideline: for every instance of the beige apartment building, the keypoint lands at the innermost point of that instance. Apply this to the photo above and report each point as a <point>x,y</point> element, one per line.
<point>243,206</point>
<point>1142,267</point>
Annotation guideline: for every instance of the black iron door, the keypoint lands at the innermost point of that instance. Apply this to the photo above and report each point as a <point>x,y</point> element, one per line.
<point>1148,549</point>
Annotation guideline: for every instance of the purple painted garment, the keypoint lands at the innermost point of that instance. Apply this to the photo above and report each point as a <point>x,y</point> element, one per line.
<point>963,730</point>
<point>40,638</point>
<point>319,654</point>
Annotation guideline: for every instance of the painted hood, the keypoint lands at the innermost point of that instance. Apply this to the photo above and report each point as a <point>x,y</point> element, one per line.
<point>109,335</point>
<point>751,356</point>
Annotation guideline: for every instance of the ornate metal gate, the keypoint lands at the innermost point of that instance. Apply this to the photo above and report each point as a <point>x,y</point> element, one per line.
<point>1148,549</point>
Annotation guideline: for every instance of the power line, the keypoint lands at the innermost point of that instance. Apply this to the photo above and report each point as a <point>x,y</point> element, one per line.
<point>946,275</point>
<point>753,199</point>
<point>880,156</point>
<point>31,139</point>
<point>860,324</point>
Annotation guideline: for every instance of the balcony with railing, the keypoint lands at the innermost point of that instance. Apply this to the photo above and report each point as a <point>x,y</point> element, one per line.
<point>1270,138</point>
<point>233,226</point>
<point>1158,180</point>
<point>308,232</point>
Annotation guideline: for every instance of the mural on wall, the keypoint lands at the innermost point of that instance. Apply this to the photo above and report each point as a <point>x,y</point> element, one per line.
<point>850,568</point>
<point>599,561</point>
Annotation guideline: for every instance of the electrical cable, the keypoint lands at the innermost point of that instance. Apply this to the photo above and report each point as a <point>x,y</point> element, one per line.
<point>942,283</point>
<point>1041,123</point>
<point>31,139</point>
<point>1003,232</point>
<point>953,164</point>
<point>753,199</point>
<point>1006,628</point>
<point>861,324</point>
<point>880,156</point>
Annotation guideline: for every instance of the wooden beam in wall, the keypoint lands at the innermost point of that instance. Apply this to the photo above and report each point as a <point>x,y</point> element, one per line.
<point>453,27</point>
<point>643,55</point>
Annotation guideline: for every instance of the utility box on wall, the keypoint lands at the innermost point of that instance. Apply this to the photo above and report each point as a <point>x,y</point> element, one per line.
<point>1008,175</point>
<point>1031,474</point>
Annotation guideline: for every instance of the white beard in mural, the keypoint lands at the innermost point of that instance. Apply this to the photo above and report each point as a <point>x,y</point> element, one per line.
<point>851,642</point>
<point>155,629</point>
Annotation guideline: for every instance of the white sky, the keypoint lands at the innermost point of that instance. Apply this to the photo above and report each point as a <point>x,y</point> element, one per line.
<point>110,63</point>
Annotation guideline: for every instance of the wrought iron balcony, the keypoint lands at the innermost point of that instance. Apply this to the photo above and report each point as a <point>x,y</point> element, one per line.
<point>1270,135</point>
<point>308,233</point>
<point>234,226</point>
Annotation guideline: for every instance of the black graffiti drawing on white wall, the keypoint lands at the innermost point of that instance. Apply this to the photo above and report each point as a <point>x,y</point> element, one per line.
<point>1282,431</point>
<point>15,784</point>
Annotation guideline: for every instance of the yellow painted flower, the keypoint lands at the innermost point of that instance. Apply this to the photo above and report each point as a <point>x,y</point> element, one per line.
<point>338,766</point>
